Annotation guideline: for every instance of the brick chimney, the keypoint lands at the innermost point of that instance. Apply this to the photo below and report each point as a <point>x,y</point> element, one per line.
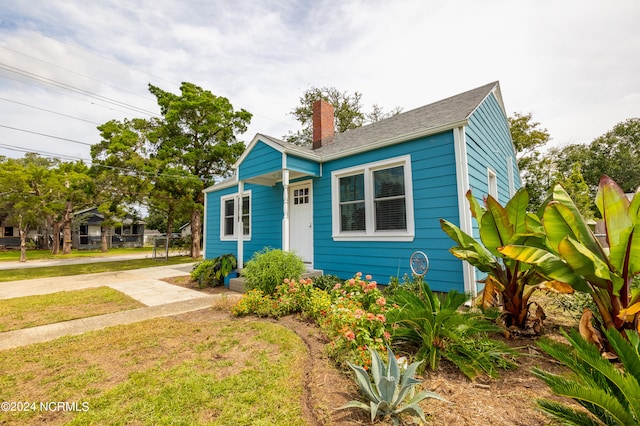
<point>323,126</point>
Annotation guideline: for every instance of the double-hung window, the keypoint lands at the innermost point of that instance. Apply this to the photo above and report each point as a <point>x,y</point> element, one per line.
<point>230,212</point>
<point>373,201</point>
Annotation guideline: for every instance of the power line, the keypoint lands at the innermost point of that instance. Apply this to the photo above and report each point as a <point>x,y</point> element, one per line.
<point>65,86</point>
<point>74,72</point>
<point>46,135</point>
<point>43,153</point>
<point>48,110</point>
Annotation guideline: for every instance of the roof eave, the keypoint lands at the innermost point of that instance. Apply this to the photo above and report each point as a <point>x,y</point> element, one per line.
<point>398,139</point>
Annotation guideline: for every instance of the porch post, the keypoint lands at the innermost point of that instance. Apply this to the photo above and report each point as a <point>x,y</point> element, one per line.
<point>285,210</point>
<point>240,226</point>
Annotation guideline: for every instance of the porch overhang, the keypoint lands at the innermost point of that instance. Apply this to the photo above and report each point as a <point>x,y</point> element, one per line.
<point>272,178</point>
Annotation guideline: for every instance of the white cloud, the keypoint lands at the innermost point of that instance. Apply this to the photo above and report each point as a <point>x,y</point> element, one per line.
<point>573,64</point>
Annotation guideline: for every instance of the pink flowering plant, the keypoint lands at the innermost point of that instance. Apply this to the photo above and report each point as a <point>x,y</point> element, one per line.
<point>356,320</point>
<point>353,315</point>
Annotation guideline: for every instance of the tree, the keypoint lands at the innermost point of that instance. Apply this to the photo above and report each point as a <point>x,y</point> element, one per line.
<point>535,169</point>
<point>120,166</point>
<point>578,190</point>
<point>197,138</point>
<point>348,112</point>
<point>69,192</point>
<point>24,197</point>
<point>615,154</point>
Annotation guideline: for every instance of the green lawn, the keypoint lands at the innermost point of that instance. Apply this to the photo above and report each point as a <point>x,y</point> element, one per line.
<point>32,311</point>
<point>88,268</point>
<point>46,254</point>
<point>178,371</point>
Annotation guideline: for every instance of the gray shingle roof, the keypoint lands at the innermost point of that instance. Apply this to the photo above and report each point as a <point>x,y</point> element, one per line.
<point>438,115</point>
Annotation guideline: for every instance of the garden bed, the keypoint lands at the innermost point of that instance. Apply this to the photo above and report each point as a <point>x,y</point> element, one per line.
<point>506,401</point>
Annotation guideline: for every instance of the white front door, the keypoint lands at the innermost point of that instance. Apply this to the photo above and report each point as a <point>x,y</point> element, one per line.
<point>301,220</point>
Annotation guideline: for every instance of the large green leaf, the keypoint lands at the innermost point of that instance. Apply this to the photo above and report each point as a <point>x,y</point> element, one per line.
<point>584,262</point>
<point>634,245</point>
<point>495,229</point>
<point>561,217</point>
<point>548,264</point>
<point>477,211</point>
<point>517,210</point>
<point>614,207</point>
<point>468,248</point>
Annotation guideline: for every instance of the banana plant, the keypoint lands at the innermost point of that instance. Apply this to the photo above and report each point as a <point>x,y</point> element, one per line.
<point>573,254</point>
<point>509,282</point>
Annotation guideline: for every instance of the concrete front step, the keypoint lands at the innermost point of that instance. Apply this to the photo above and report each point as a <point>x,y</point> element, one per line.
<point>237,284</point>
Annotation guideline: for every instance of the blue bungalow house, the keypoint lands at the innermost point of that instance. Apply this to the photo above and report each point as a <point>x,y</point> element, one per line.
<point>366,199</point>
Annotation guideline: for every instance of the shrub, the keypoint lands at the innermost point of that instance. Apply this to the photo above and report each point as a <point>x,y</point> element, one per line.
<point>573,255</point>
<point>269,267</point>
<point>325,282</point>
<point>211,272</point>
<point>610,394</point>
<point>356,320</point>
<point>436,328</point>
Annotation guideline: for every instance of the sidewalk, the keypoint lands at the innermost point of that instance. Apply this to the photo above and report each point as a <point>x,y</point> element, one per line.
<point>39,263</point>
<point>144,285</point>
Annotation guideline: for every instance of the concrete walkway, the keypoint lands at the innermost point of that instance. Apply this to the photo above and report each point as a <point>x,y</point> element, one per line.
<point>144,285</point>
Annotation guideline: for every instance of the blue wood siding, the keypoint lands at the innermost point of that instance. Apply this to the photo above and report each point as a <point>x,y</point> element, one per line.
<point>262,159</point>
<point>266,221</point>
<point>489,145</point>
<point>215,247</point>
<point>303,165</point>
<point>434,196</point>
<point>266,218</point>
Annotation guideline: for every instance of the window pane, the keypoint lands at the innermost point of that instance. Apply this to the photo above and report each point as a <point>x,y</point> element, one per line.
<point>228,217</point>
<point>228,208</point>
<point>352,188</point>
<point>389,199</point>
<point>228,225</point>
<point>352,217</point>
<point>246,219</point>
<point>391,214</point>
<point>389,182</point>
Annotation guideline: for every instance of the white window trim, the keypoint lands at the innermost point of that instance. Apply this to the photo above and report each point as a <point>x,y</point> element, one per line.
<point>492,183</point>
<point>234,197</point>
<point>370,234</point>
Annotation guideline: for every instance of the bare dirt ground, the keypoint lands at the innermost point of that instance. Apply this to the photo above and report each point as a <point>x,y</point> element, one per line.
<point>506,401</point>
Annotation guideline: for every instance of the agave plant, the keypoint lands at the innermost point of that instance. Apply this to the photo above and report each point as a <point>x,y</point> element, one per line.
<point>387,387</point>
<point>610,394</point>
<point>573,255</point>
<point>439,329</point>
<point>509,282</point>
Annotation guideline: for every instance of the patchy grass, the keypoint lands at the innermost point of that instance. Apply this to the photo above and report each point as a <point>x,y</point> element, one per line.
<point>87,268</point>
<point>32,311</point>
<point>164,371</point>
<point>14,255</point>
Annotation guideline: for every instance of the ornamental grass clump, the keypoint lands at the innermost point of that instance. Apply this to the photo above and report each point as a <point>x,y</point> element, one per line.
<point>269,267</point>
<point>387,386</point>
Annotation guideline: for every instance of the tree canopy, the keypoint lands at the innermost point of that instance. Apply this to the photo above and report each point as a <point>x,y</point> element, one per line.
<point>173,158</point>
<point>348,112</point>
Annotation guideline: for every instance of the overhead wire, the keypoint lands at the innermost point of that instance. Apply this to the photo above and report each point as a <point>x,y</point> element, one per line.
<point>66,86</point>
<point>50,111</point>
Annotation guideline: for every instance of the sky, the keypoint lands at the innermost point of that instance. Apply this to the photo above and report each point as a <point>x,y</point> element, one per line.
<point>67,66</point>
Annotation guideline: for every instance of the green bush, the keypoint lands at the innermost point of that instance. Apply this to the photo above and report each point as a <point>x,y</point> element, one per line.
<point>269,267</point>
<point>325,282</point>
<point>609,393</point>
<point>436,327</point>
<point>211,272</point>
